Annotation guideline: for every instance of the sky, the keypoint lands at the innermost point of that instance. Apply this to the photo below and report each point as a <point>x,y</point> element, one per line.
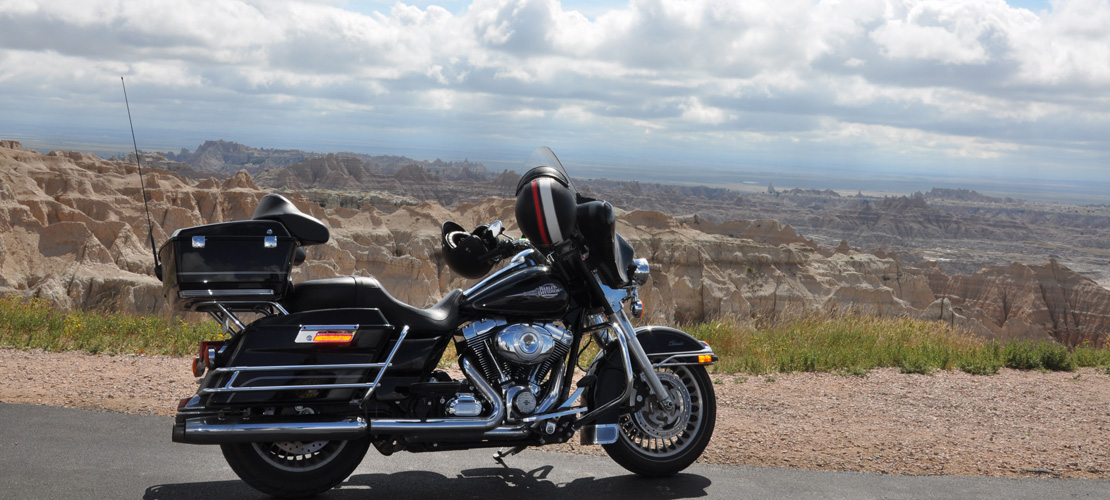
<point>1000,92</point>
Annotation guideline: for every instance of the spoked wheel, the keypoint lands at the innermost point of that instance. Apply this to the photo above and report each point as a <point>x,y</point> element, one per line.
<point>295,469</point>
<point>660,441</point>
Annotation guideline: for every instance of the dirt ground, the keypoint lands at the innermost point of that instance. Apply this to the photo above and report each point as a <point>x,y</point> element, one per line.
<point>1012,424</point>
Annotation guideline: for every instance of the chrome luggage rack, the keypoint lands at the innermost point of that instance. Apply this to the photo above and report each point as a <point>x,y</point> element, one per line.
<point>223,311</point>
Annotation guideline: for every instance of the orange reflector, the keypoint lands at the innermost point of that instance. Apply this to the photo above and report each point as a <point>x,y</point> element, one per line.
<point>705,358</point>
<point>333,337</point>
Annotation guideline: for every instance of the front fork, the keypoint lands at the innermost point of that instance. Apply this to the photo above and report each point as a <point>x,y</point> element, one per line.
<point>632,357</point>
<point>632,352</point>
<point>624,328</point>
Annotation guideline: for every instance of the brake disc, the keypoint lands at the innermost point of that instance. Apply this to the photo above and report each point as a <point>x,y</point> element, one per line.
<point>655,420</point>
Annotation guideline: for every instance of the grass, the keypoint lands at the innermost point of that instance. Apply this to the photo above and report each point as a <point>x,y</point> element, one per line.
<point>840,344</point>
<point>855,344</point>
<point>34,324</point>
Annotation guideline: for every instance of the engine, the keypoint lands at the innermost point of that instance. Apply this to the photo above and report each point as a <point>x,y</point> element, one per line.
<point>518,357</point>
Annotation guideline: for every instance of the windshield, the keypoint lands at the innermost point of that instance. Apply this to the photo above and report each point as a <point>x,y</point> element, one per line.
<point>543,156</point>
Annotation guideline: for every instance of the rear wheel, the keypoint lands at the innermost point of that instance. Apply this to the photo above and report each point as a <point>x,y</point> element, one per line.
<point>295,469</point>
<point>661,441</point>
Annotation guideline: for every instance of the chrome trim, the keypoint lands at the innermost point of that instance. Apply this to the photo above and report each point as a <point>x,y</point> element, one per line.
<point>244,292</point>
<point>225,273</point>
<point>557,414</point>
<point>352,366</point>
<point>599,434</point>
<point>225,390</point>
<point>464,405</point>
<point>211,358</point>
<point>556,387</point>
<point>573,397</point>
<point>209,430</point>
<point>388,363</point>
<point>245,305</point>
<point>495,229</point>
<point>669,360</point>
<point>614,296</point>
<point>204,430</point>
<point>228,318</point>
<point>626,363</point>
<point>641,357</point>
<point>328,327</point>
<point>223,311</point>
<point>642,271</point>
<point>235,371</point>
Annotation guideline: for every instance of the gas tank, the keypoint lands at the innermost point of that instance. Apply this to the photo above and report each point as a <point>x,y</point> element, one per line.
<point>531,291</point>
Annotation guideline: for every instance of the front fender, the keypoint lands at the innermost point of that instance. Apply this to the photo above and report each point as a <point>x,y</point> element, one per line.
<point>664,346</point>
<point>667,346</point>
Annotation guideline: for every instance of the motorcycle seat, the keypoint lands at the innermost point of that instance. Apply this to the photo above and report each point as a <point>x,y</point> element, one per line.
<point>363,291</point>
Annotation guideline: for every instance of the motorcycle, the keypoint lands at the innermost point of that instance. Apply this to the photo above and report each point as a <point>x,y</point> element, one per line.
<point>296,397</point>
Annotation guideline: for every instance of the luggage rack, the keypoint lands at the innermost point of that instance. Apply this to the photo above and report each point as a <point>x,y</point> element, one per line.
<point>230,387</point>
<point>224,311</point>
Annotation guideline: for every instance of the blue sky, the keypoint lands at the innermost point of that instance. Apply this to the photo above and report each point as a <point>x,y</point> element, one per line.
<point>982,89</point>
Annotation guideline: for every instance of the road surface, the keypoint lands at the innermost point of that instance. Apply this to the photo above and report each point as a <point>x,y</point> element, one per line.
<point>48,452</point>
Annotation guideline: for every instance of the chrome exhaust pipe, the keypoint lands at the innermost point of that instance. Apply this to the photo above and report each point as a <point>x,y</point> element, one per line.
<point>210,430</point>
<point>204,431</point>
<point>440,425</point>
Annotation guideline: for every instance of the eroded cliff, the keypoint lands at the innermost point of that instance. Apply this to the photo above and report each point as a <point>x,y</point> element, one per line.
<point>73,231</point>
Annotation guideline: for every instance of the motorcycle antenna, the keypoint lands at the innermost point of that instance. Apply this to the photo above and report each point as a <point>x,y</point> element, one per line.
<point>142,184</point>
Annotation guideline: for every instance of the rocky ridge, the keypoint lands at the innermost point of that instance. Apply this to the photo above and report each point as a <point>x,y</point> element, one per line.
<point>74,232</point>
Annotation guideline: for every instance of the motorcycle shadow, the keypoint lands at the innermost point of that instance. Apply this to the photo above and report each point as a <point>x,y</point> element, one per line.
<point>489,483</point>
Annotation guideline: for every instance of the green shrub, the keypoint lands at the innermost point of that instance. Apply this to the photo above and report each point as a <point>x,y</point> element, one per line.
<point>834,343</point>
<point>1029,355</point>
<point>33,324</point>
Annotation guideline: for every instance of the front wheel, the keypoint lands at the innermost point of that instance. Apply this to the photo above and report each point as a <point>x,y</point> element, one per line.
<point>656,441</point>
<point>295,469</point>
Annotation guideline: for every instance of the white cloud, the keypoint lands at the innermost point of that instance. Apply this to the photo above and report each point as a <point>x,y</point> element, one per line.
<point>693,110</point>
<point>925,78</point>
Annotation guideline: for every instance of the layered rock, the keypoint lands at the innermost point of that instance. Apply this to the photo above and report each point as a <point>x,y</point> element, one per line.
<point>73,230</point>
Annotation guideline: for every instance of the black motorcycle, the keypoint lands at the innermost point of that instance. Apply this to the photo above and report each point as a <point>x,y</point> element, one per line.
<point>329,367</point>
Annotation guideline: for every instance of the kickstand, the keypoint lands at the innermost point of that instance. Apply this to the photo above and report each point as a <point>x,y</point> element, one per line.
<point>504,452</point>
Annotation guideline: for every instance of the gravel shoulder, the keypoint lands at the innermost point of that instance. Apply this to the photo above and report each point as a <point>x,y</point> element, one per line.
<point>1014,424</point>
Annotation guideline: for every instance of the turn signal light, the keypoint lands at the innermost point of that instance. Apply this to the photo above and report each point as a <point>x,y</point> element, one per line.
<point>705,358</point>
<point>333,337</point>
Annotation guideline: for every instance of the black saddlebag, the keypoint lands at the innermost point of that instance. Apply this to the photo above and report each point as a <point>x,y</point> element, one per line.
<point>285,360</point>
<point>242,260</point>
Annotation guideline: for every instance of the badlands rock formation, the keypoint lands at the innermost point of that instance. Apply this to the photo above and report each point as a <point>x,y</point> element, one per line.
<point>73,231</point>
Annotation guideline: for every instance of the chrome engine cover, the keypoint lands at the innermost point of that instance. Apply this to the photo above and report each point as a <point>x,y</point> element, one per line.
<point>464,405</point>
<point>528,344</point>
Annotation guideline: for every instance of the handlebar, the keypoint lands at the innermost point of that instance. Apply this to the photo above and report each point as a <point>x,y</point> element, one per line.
<point>506,248</point>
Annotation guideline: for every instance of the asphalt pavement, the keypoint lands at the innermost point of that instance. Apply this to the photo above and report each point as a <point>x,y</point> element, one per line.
<point>62,453</point>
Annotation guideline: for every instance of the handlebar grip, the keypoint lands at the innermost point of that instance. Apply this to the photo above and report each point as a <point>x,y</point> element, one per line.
<point>505,248</point>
